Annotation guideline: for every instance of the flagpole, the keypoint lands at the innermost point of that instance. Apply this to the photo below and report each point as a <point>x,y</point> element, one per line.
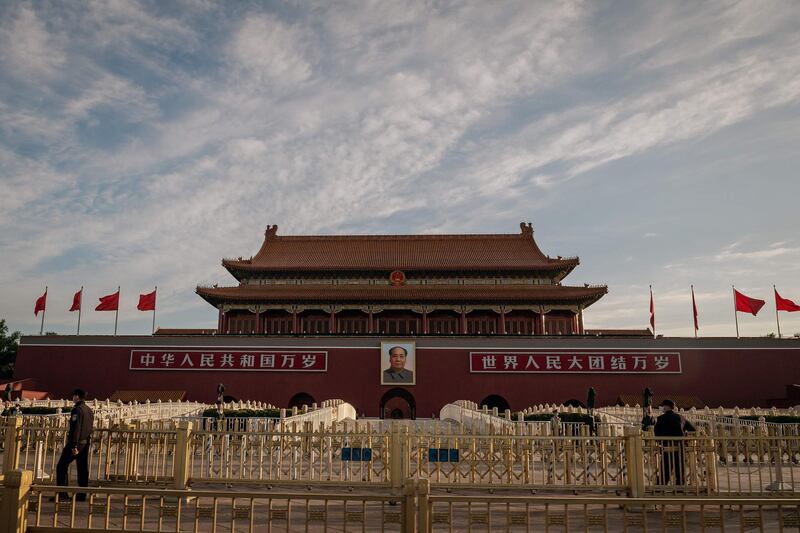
<point>41,328</point>
<point>777,318</point>
<point>694,314</point>
<point>735,314</point>
<point>80,309</point>
<point>152,332</point>
<point>116,315</point>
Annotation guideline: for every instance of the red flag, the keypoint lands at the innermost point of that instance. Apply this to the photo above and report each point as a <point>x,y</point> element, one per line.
<point>41,304</point>
<point>652,312</point>
<point>108,303</point>
<point>745,304</point>
<point>694,310</point>
<point>782,304</point>
<point>76,301</point>
<point>147,302</point>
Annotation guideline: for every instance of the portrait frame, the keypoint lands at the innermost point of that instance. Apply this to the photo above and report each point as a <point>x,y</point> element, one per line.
<point>410,347</point>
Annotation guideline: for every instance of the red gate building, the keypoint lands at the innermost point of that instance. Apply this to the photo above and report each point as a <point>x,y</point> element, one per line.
<point>408,323</point>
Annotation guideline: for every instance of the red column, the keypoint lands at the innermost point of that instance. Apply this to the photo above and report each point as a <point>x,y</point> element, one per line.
<point>542,324</point>
<point>463,323</point>
<point>295,328</point>
<point>424,322</point>
<point>226,320</point>
<point>259,323</point>
<point>502,322</point>
<point>332,324</point>
<point>219,321</point>
<point>370,323</point>
<point>580,321</point>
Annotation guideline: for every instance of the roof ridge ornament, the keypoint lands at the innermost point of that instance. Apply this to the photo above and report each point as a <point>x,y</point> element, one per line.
<point>527,229</point>
<point>271,232</point>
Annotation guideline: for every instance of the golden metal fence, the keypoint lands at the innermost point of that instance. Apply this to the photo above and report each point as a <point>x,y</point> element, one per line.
<point>519,461</point>
<point>514,513</point>
<point>161,454</point>
<point>27,507</point>
<point>120,509</point>
<point>700,465</point>
<point>290,455</point>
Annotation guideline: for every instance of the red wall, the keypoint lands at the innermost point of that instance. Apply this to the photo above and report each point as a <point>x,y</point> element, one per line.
<point>743,376</point>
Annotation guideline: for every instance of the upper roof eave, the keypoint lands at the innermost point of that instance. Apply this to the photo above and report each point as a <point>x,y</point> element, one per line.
<point>516,252</point>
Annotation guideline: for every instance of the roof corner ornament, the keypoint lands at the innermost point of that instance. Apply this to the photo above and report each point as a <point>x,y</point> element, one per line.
<point>527,229</point>
<point>271,231</point>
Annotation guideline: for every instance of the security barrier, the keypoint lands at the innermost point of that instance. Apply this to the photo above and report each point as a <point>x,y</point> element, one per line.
<point>28,507</point>
<point>352,455</point>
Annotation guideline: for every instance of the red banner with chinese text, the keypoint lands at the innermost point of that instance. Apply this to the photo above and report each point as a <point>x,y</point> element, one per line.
<point>276,361</point>
<point>576,362</point>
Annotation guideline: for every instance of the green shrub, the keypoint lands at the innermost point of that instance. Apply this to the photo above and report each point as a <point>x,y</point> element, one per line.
<point>565,417</point>
<point>43,410</point>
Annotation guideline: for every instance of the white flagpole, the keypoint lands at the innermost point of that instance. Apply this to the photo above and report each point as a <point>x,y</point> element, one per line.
<point>80,309</point>
<point>116,315</point>
<point>735,313</point>
<point>155,292</point>
<point>41,328</point>
<point>777,319</point>
<point>694,314</point>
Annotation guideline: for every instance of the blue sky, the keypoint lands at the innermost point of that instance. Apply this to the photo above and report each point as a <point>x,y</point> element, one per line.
<point>141,142</point>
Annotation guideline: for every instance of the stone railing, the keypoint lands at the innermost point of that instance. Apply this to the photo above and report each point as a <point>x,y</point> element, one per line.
<point>479,419</point>
<point>327,414</point>
<point>118,411</point>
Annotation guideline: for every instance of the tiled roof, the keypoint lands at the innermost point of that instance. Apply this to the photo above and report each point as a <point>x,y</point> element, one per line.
<point>481,252</point>
<point>142,396</point>
<point>539,294</point>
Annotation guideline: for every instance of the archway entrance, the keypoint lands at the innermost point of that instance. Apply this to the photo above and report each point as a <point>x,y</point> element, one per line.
<point>398,403</point>
<point>495,400</point>
<point>300,399</point>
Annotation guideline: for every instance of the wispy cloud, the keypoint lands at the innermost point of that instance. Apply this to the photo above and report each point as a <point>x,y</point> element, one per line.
<point>142,141</point>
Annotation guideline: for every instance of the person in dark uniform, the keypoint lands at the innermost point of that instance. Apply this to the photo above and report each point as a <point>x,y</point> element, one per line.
<point>397,371</point>
<point>81,421</point>
<point>671,424</point>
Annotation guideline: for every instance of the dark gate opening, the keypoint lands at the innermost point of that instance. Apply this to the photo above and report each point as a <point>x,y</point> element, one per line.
<point>495,400</point>
<point>300,399</point>
<point>398,403</point>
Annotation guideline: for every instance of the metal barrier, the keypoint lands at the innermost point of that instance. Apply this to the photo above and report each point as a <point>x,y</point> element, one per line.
<point>353,454</point>
<point>27,507</point>
<point>519,461</point>
<point>110,509</point>
<point>289,453</point>
<point>526,513</point>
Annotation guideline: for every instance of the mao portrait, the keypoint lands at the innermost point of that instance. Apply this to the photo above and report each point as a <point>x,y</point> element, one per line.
<point>398,362</point>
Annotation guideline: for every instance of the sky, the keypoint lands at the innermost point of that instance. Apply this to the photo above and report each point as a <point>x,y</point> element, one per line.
<point>142,142</point>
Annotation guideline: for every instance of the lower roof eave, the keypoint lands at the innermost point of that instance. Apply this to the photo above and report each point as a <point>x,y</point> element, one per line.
<point>359,303</point>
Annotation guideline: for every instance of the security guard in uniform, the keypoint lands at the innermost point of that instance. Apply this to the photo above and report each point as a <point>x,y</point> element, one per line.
<point>81,421</point>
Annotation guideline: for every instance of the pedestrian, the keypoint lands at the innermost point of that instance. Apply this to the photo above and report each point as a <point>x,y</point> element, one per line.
<point>81,421</point>
<point>219,416</point>
<point>671,424</point>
